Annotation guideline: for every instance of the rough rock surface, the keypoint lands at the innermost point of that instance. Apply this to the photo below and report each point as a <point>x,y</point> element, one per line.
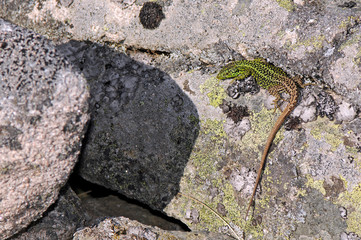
<point>126,229</point>
<point>60,221</point>
<point>311,187</point>
<point>43,111</point>
<point>143,126</point>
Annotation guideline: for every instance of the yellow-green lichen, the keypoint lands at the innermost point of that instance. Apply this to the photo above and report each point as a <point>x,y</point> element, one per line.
<point>199,197</point>
<point>208,218</point>
<point>214,129</point>
<point>316,184</point>
<point>230,203</point>
<point>204,162</point>
<point>315,41</point>
<point>264,201</point>
<point>262,123</point>
<point>286,4</point>
<point>351,20</point>
<point>205,153</point>
<point>352,202</point>
<point>328,131</point>
<point>331,133</point>
<point>301,192</point>
<point>214,91</point>
<point>205,158</point>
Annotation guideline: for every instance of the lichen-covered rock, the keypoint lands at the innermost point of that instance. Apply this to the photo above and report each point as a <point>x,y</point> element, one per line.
<point>43,112</point>
<point>318,40</point>
<point>126,229</point>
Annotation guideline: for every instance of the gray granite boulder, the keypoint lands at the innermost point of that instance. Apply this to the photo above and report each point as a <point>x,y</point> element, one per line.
<point>43,111</point>
<point>60,221</point>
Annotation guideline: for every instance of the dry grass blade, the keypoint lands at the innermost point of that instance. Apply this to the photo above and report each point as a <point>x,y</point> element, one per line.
<point>209,208</point>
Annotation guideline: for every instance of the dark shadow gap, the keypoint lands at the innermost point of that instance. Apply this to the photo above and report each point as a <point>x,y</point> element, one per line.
<point>100,202</point>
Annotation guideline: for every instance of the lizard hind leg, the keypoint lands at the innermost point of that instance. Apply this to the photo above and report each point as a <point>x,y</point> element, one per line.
<point>275,91</point>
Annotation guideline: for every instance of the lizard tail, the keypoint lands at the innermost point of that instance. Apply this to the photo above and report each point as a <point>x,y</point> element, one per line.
<point>272,135</point>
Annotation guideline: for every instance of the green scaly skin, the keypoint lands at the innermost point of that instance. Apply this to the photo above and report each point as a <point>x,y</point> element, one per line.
<point>275,81</point>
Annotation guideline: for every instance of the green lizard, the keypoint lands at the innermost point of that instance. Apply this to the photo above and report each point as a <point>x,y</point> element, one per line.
<point>275,81</point>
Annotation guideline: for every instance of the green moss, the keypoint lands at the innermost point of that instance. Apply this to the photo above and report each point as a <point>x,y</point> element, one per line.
<point>214,91</point>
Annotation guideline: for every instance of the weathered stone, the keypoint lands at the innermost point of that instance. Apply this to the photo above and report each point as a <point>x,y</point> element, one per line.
<point>60,221</point>
<point>124,228</point>
<point>43,111</point>
<point>319,40</point>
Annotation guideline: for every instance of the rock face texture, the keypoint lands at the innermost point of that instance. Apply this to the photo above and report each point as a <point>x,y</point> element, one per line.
<point>124,228</point>
<point>43,111</point>
<point>60,221</point>
<point>311,185</point>
<point>143,126</point>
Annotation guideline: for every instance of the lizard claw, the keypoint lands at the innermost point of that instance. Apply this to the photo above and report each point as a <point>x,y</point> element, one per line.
<point>276,105</point>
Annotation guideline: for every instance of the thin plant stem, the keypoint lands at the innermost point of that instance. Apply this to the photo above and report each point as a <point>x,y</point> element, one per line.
<point>209,208</point>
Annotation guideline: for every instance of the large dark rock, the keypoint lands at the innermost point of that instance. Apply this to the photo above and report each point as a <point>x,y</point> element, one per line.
<point>143,125</point>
